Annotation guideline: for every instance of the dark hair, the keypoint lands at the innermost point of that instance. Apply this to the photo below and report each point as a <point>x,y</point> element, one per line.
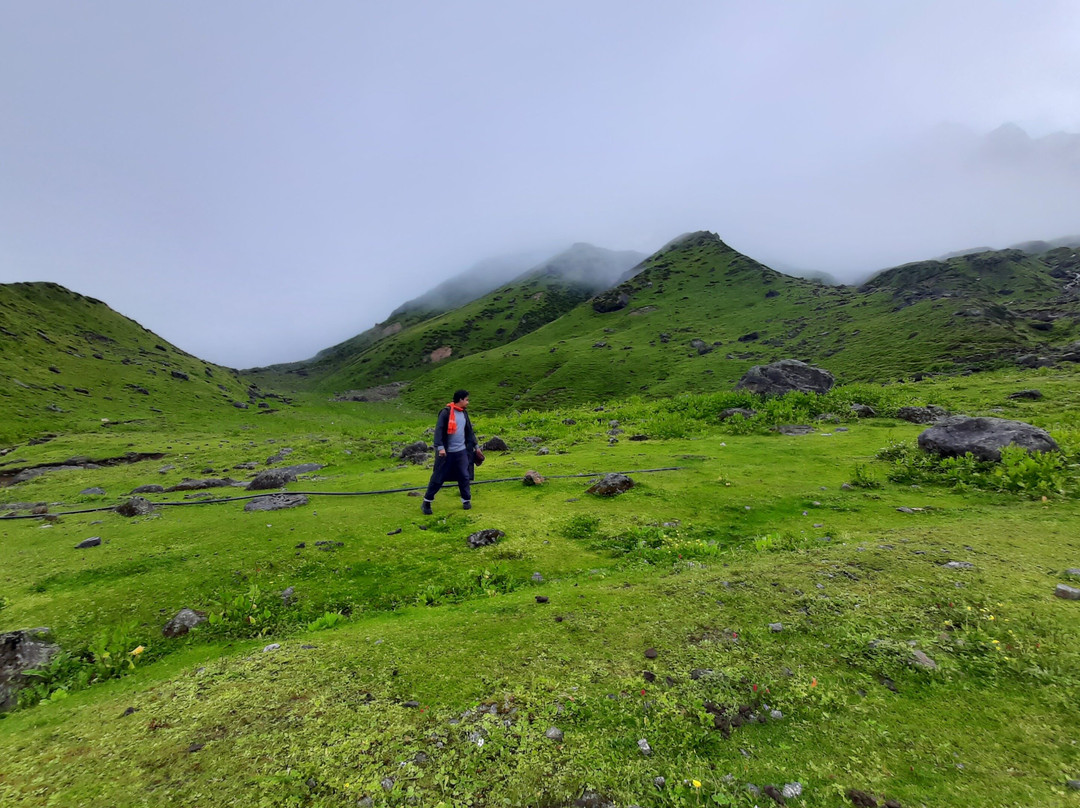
<point>460,394</point>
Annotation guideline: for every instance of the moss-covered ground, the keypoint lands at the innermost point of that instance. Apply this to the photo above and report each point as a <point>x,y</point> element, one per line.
<point>440,680</point>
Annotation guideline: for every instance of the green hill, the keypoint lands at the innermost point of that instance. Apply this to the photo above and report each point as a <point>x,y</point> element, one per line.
<point>69,362</point>
<point>418,336</point>
<point>700,313</point>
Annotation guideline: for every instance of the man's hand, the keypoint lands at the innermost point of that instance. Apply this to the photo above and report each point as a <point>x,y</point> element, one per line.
<point>442,452</point>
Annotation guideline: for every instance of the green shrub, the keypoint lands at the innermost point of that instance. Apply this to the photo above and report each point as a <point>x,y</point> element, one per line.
<point>328,620</point>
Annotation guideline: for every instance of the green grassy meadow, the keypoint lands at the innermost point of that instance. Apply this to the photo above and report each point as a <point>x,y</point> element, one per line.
<point>413,670</point>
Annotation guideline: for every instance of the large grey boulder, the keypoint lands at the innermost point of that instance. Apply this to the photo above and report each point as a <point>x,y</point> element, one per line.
<point>786,376</point>
<point>21,651</point>
<point>495,444</point>
<point>418,452</point>
<point>983,437</point>
<point>611,485</point>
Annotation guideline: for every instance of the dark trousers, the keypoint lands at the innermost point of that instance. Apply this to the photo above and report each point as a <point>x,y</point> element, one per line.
<point>455,466</point>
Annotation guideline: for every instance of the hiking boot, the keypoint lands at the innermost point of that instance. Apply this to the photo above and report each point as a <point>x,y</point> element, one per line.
<point>425,508</point>
<point>466,505</point>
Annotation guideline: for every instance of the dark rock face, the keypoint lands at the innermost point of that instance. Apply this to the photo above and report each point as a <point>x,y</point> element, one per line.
<point>786,376</point>
<point>179,374</point>
<point>731,412</point>
<point>983,437</point>
<point>136,506</point>
<point>863,411</point>
<point>922,415</point>
<point>700,346</point>
<point>418,452</point>
<point>276,502</point>
<point>495,444</point>
<point>94,541</point>
<point>1033,361</point>
<point>20,651</point>
<point>149,489</point>
<point>611,485</point>
<point>612,300</point>
<point>184,621</point>
<point>483,538</point>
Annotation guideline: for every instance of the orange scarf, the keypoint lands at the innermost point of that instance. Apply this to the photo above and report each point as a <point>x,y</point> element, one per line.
<point>451,426</point>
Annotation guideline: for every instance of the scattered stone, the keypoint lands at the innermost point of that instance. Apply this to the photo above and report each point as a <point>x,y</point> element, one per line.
<point>1067,592</point>
<point>860,799</point>
<point>179,374</point>
<point>394,532</point>
<point>271,647</point>
<point>776,794</point>
<point>1073,784</point>
<point>195,747</point>
<point>418,452</point>
<point>287,595</point>
<point>543,450</point>
<point>701,346</point>
<point>922,415</point>
<point>794,429</point>
<point>863,411</point>
<point>776,628</point>
<point>659,782</point>
<point>649,676</point>
<point>541,599</point>
<point>183,622</point>
<point>387,783</point>
<point>847,487</point>
<point>495,444</point>
<point>786,376</point>
<point>958,565</point>
<point>483,538</point>
<point>611,485</point>
<point>643,745</point>
<point>94,541</point>
<point>731,412</point>
<point>923,661</point>
<point>271,478</point>
<point>701,673</point>
<point>1073,572</point>
<point>650,653</point>
<point>241,405</point>
<point>537,577</point>
<point>533,478</point>
<point>554,734</point>
<point>21,651</point>
<point>410,704</point>
<point>149,489</point>
<point>136,506</point>
<point>92,491</point>
<point>276,502</point>
<point>983,437</point>
<point>188,484</point>
<point>1027,395</point>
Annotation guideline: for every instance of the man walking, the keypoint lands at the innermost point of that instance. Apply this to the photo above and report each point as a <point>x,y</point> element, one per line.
<point>455,451</point>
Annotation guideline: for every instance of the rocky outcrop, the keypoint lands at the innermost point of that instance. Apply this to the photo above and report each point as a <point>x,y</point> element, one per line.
<point>136,506</point>
<point>183,622</point>
<point>21,651</point>
<point>611,300</point>
<point>786,376</point>
<point>482,538</point>
<point>276,502</point>
<point>418,452</point>
<point>495,444</point>
<point>983,437</point>
<point>922,415</point>
<point>731,412</point>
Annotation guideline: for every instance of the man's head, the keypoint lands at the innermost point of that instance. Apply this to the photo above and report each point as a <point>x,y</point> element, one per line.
<point>461,397</point>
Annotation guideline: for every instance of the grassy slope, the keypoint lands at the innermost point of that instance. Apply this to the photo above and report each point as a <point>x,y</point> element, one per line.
<point>702,289</point>
<point>323,726</point>
<point>97,350</point>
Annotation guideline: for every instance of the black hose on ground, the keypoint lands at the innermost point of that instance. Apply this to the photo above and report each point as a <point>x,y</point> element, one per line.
<point>336,493</point>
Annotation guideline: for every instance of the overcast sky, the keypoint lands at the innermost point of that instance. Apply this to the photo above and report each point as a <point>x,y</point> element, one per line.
<point>255,181</point>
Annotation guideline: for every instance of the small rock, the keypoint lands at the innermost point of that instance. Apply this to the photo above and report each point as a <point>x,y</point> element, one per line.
<point>92,491</point>
<point>612,485</point>
<point>776,794</point>
<point>287,595</point>
<point>923,661</point>
<point>958,565</point>
<point>271,647</point>
<point>183,622</point>
<point>543,450</point>
<point>1073,572</point>
<point>387,783</point>
<point>411,704</point>
<point>495,444</point>
<point>93,541</point>
<point>148,489</point>
<point>136,506</point>
<point>1067,592</point>
<point>776,628</point>
<point>533,478</point>
<point>554,734</point>
<point>659,782</point>
<point>195,747</point>
<point>776,715</point>
<point>537,577</point>
<point>650,653</point>
<point>541,599</point>
<point>860,799</point>
<point>643,745</point>
<point>905,509</point>
<point>1073,784</point>
<point>276,502</point>
<point>482,538</point>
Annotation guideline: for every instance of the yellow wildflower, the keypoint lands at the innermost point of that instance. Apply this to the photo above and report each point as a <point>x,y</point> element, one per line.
<point>138,651</point>
<point>696,783</point>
